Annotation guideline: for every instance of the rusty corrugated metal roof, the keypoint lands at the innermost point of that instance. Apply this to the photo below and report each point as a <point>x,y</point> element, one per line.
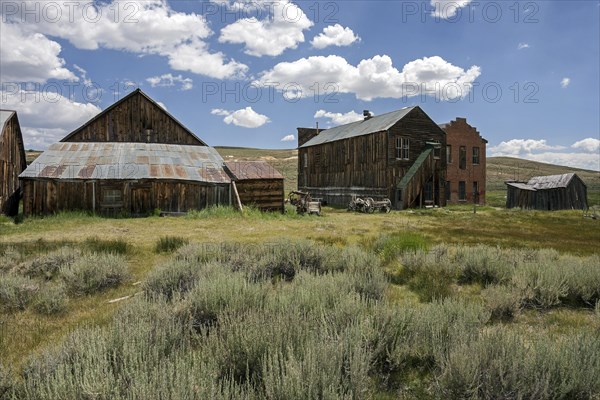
<point>374,124</point>
<point>129,161</point>
<point>245,170</point>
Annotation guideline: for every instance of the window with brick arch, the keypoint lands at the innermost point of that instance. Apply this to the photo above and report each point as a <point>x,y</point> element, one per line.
<point>462,157</point>
<point>475,155</point>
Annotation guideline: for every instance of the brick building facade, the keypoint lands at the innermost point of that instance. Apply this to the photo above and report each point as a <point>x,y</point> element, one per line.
<point>466,163</point>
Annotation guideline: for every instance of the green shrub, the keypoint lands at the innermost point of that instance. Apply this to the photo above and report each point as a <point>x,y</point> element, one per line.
<point>10,258</point>
<point>484,264</point>
<point>503,302</point>
<point>391,246</point>
<point>51,299</point>
<point>176,276</point>
<point>541,285</point>
<point>94,272</point>
<point>47,266</point>
<point>16,292</point>
<point>169,244</point>
<point>111,246</point>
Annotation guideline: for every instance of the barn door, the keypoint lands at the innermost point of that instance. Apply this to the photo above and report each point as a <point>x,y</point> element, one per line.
<point>141,203</point>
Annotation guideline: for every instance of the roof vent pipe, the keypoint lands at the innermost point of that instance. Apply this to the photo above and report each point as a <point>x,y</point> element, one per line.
<point>367,114</point>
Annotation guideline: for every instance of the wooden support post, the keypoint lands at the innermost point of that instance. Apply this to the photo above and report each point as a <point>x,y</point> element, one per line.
<point>237,196</point>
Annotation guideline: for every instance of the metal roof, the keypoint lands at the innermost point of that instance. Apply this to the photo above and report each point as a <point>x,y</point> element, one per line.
<point>5,115</point>
<point>544,182</point>
<point>246,170</point>
<point>551,181</point>
<point>363,127</point>
<point>128,161</point>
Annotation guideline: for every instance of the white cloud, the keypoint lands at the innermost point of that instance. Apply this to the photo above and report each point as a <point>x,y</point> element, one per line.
<point>589,145</point>
<point>565,82</point>
<point>575,160</point>
<point>334,35</point>
<point>29,56</point>
<point>446,9</point>
<point>271,36</point>
<point>516,147</point>
<point>246,117</point>
<point>339,118</point>
<point>169,80</point>
<point>288,138</point>
<point>523,46</point>
<point>142,27</point>
<point>371,78</point>
<point>46,118</point>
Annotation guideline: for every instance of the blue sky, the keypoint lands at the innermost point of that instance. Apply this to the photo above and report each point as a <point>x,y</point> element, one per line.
<point>247,73</point>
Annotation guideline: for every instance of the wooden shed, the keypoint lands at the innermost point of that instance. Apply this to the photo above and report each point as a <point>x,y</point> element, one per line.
<point>125,178</point>
<point>12,162</point>
<point>397,155</point>
<point>554,192</point>
<point>258,184</point>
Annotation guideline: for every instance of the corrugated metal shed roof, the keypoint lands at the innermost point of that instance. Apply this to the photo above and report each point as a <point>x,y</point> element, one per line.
<point>129,161</point>
<point>551,181</point>
<point>5,115</point>
<point>246,170</point>
<point>363,127</point>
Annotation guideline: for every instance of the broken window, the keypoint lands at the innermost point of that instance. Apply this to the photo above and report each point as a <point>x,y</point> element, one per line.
<point>462,157</point>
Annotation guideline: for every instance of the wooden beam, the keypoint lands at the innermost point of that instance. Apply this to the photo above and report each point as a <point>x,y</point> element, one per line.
<point>237,196</point>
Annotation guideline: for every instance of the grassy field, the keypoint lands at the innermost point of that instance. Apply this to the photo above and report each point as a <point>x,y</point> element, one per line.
<point>434,303</point>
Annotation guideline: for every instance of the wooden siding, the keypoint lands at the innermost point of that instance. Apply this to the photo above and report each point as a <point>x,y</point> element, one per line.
<point>48,196</point>
<point>266,194</point>
<point>12,163</point>
<point>129,121</point>
<point>572,197</point>
<point>366,165</point>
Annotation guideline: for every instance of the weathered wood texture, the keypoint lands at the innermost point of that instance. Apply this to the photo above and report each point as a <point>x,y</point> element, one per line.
<point>12,163</point>
<point>137,198</point>
<point>367,165</point>
<point>135,118</point>
<point>265,194</point>
<point>571,197</point>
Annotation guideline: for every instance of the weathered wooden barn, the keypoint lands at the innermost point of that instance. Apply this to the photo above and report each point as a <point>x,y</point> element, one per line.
<point>258,184</point>
<point>12,162</point>
<point>125,178</point>
<point>397,155</point>
<point>134,158</point>
<point>554,192</point>
<point>466,163</point>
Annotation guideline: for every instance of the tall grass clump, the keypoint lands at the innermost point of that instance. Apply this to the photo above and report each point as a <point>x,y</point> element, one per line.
<point>6,382</point>
<point>390,246</point>
<point>111,246</point>
<point>93,273</point>
<point>10,258</point>
<point>168,244</point>
<point>503,302</point>
<point>16,292</point>
<point>47,266</point>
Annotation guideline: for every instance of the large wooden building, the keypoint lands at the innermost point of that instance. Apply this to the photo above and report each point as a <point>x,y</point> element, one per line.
<point>12,162</point>
<point>397,155</point>
<point>133,158</point>
<point>466,163</point>
<point>554,192</point>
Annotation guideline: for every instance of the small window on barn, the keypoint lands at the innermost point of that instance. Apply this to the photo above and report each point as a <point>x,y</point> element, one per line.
<point>402,148</point>
<point>462,157</point>
<point>437,152</point>
<point>112,196</point>
<point>462,191</point>
<point>449,154</point>
<point>475,155</point>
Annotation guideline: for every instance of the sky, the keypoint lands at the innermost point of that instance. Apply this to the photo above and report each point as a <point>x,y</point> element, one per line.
<point>247,73</point>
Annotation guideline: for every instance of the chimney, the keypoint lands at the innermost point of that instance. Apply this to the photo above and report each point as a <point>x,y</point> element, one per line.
<point>367,114</point>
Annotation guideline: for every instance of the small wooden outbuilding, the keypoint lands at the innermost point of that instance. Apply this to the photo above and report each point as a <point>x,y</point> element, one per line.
<point>12,162</point>
<point>258,184</point>
<point>554,192</point>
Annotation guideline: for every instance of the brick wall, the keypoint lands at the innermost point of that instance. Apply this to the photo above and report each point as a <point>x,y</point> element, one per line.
<point>460,134</point>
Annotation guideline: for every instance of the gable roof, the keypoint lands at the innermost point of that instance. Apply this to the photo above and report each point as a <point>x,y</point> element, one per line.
<point>545,182</point>
<point>124,99</point>
<point>128,161</point>
<point>363,127</point>
<point>5,117</point>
